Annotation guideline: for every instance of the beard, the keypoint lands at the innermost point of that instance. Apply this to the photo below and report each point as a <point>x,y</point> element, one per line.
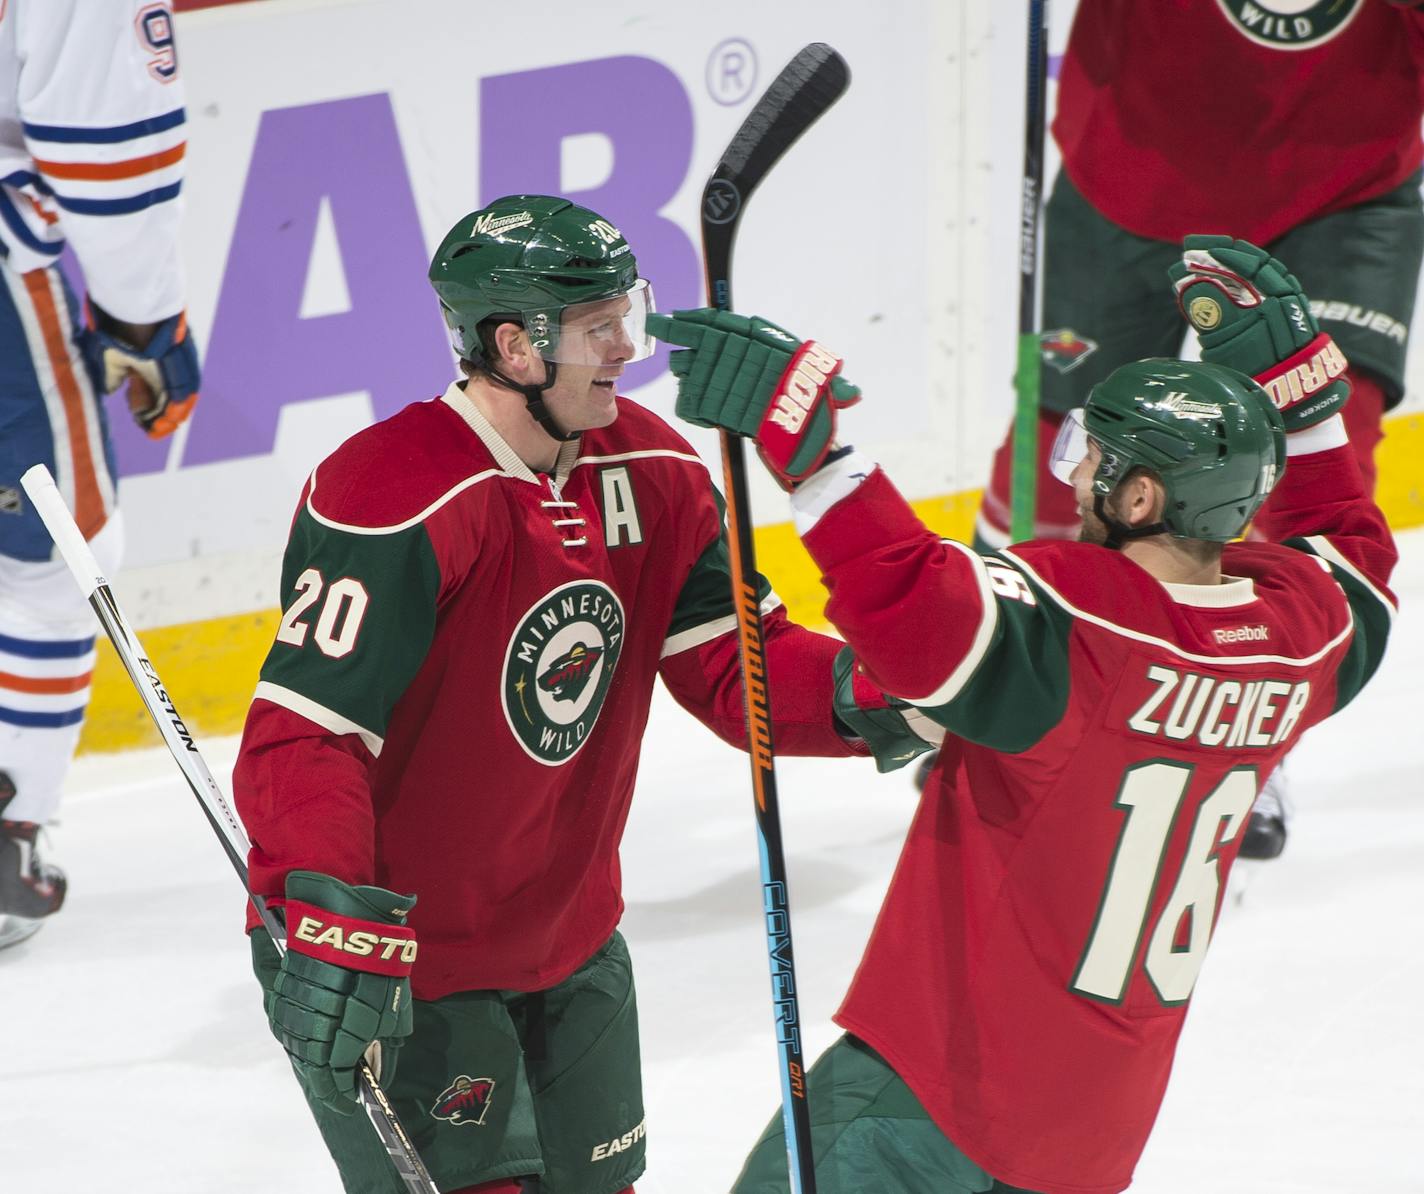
<point>1092,529</point>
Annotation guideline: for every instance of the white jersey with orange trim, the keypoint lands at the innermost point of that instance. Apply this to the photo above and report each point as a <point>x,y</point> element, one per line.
<point>92,136</point>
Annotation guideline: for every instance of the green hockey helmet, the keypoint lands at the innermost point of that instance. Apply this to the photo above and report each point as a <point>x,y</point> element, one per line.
<point>546,264</point>
<point>1211,434</point>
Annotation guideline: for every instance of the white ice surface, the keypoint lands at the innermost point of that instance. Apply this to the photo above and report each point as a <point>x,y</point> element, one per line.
<point>136,1057</point>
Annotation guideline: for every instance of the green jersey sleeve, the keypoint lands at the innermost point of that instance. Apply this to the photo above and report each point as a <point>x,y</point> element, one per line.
<point>358,618</point>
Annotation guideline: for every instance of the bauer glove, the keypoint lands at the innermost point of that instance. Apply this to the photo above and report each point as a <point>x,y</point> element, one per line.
<point>1250,314</point>
<point>752,378</point>
<point>343,984</point>
<point>163,375</point>
<point>895,731</point>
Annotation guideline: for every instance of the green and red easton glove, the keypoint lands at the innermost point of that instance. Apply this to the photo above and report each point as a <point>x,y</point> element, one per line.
<point>343,984</point>
<point>752,378</point>
<point>1249,313</point>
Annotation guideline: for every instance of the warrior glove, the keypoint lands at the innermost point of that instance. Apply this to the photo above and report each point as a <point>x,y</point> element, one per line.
<point>163,375</point>
<point>894,731</point>
<point>754,379</point>
<point>1250,314</point>
<point>343,984</point>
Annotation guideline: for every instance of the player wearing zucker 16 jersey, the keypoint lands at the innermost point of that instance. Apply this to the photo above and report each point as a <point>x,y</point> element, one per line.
<point>479,594</point>
<point>92,138</point>
<point>1113,706</point>
<point>1303,136</point>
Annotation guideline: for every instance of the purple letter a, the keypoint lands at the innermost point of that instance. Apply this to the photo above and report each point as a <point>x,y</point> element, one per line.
<point>263,354</point>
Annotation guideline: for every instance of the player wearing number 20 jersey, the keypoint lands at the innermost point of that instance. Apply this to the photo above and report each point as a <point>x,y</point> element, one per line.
<point>1030,970</point>
<point>459,685</point>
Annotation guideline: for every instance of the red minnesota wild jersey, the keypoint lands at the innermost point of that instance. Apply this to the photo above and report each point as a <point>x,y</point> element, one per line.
<point>456,697</point>
<point>1030,970</point>
<point>1181,116</point>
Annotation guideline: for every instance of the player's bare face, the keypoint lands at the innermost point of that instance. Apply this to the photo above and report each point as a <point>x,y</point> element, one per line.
<point>584,394</point>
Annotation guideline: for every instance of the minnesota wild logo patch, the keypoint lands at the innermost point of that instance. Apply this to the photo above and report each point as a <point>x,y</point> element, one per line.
<point>558,666</point>
<point>1290,24</point>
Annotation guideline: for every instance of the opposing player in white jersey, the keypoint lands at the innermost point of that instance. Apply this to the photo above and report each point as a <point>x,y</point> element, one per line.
<point>92,136</point>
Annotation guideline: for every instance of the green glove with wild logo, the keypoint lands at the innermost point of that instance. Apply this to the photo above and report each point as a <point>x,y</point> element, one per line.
<point>1249,313</point>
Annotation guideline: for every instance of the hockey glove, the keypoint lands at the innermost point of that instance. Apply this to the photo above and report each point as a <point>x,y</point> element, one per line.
<point>343,984</point>
<point>1250,314</point>
<point>752,378</point>
<point>163,375</point>
<point>895,731</point>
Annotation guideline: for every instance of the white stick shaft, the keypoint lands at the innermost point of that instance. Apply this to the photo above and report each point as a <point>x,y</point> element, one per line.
<point>49,505</point>
<point>81,562</point>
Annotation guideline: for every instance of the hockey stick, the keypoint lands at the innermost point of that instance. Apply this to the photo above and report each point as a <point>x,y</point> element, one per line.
<point>49,505</point>
<point>809,84</point>
<point>1023,488</point>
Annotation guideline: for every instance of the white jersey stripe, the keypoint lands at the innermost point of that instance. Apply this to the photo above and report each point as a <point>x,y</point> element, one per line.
<point>316,714</point>
<point>695,636</point>
<point>1172,648</point>
<point>983,636</point>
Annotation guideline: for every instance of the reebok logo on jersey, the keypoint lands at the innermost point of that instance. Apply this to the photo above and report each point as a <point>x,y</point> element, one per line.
<point>1242,634</point>
<point>465,1101</point>
<point>1290,24</point>
<point>618,1144</point>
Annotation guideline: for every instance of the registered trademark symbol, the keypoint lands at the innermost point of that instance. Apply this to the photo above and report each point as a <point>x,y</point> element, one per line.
<point>731,71</point>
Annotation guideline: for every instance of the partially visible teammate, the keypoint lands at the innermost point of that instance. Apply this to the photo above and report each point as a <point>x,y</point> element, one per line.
<point>480,593</point>
<point>92,135</point>
<point>1304,138</point>
<point>1114,706</point>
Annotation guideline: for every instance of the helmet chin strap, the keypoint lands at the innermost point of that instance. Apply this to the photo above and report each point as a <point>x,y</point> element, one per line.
<point>1118,532</point>
<point>534,400</point>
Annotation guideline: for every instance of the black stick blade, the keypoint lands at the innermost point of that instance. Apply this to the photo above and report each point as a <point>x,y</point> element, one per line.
<point>809,84</point>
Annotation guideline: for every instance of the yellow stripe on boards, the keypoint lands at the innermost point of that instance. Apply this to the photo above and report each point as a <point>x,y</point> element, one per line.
<point>211,667</point>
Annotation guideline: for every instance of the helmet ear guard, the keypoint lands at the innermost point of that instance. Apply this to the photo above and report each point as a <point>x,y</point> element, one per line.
<point>1209,434</point>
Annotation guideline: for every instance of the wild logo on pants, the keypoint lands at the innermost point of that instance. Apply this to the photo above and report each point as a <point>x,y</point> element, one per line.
<point>465,1101</point>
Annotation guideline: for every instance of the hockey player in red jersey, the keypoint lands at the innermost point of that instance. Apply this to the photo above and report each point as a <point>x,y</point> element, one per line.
<point>1114,705</point>
<point>1309,117</point>
<point>479,594</point>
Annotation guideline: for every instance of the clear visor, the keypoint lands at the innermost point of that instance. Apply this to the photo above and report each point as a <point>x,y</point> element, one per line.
<point>606,332</point>
<point>1070,447</point>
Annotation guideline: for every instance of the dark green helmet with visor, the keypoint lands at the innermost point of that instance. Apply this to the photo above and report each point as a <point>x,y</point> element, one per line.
<point>1210,434</point>
<point>545,264</point>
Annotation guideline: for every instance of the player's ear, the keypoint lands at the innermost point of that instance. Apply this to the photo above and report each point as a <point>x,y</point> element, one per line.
<point>516,355</point>
<point>1152,501</point>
